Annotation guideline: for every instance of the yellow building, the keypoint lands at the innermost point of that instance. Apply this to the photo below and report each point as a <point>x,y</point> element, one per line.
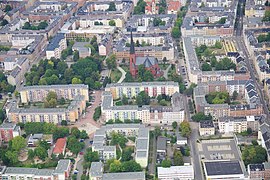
<point>39,93</point>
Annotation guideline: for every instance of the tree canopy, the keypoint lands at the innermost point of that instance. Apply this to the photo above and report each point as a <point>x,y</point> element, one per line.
<point>185,129</point>
<point>200,116</point>
<point>254,154</point>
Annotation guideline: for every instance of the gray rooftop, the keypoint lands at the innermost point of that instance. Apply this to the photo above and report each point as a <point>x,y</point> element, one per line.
<point>161,143</point>
<point>135,84</point>
<point>96,169</point>
<point>124,176</point>
<point>50,87</point>
<point>62,166</point>
<point>55,42</point>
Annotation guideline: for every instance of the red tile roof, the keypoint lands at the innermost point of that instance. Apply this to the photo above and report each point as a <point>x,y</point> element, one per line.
<point>173,5</point>
<point>59,146</point>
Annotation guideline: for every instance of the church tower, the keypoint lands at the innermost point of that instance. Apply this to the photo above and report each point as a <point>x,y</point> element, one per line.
<point>132,57</point>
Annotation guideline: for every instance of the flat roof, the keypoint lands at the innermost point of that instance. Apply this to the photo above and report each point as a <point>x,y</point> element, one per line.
<point>62,166</point>
<point>96,169</point>
<point>124,176</point>
<point>161,143</point>
<point>214,168</point>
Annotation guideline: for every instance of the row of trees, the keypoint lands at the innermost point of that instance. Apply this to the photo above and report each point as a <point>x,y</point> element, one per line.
<point>264,37</point>
<point>97,113</point>
<point>5,87</point>
<point>222,64</point>
<point>55,71</point>
<point>41,25</point>
<point>176,33</point>
<point>200,116</point>
<point>218,98</point>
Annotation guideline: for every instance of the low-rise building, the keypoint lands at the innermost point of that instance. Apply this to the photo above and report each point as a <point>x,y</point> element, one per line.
<point>105,46</point>
<point>61,172</point>
<point>8,131</point>
<point>60,146</point>
<point>96,173</point>
<point>256,171</point>
<point>206,128</point>
<point>180,140</point>
<point>34,139</point>
<point>83,49</point>
<point>56,46</point>
<point>176,172</point>
<point>161,148</point>
<point>223,169</point>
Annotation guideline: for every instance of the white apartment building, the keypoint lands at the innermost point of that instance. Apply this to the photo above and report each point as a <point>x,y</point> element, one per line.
<point>56,46</point>
<point>176,172</point>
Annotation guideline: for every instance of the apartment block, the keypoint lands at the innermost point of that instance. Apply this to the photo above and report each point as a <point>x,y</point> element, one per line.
<point>8,131</point>
<point>39,93</point>
<point>238,124</point>
<point>61,172</point>
<point>50,115</point>
<point>256,171</point>
<point>153,89</point>
<point>147,114</point>
<point>206,128</point>
<point>109,152</point>
<point>56,46</point>
<point>96,173</point>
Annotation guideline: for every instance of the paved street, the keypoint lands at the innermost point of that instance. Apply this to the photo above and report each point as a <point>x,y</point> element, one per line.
<point>152,156</point>
<point>123,74</point>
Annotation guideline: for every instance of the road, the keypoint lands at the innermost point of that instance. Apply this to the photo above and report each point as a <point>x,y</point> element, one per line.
<point>123,74</point>
<point>152,165</point>
<point>242,48</point>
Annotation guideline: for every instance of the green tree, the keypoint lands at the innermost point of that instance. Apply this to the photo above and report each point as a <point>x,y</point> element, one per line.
<point>42,25</point>
<point>97,113</point>
<point>51,95</point>
<point>218,45</point>
<point>112,7</point>
<point>157,131</point>
<point>200,116</point>
<point>148,76</point>
<point>118,139</point>
<point>3,22</point>
<point>18,143</point>
<point>76,56</point>
<point>222,20</point>
<point>176,32</point>
<point>185,129</point>
<point>206,67</point>
<point>124,99</point>
<point>64,123</point>
<point>235,95</point>
<point>44,144</point>
<point>163,102</point>
<point>166,163</point>
<point>74,145</point>
<point>178,158</point>
<point>111,62</point>
<point>91,156</point>
<point>41,153</point>
<point>127,154</point>
<point>75,132</point>
<point>266,17</point>
<point>83,134</point>
<point>115,166</point>
<point>131,166</point>
<point>31,154</point>
<point>174,125</point>
<point>112,23</point>
<point>254,155</point>
<point>76,81</point>
<point>12,157</point>
<point>7,8</point>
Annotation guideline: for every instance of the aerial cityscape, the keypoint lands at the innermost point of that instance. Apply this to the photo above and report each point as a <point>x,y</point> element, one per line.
<point>134,89</point>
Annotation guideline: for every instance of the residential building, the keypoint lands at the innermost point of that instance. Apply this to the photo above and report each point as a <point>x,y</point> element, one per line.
<point>176,172</point>
<point>256,171</point>
<point>161,149</point>
<point>18,67</point>
<point>264,137</point>
<point>153,89</point>
<point>180,140</point>
<point>96,173</point>
<point>83,49</point>
<point>105,46</point>
<point>8,131</point>
<point>39,93</point>
<point>173,6</point>
<point>56,46</point>
<point>206,128</point>
<point>147,114</point>
<point>50,115</point>
<point>109,152</point>
<point>61,172</point>
<point>60,146</point>
<point>151,7</point>
<point>35,138</point>
<point>219,169</point>
<point>238,124</point>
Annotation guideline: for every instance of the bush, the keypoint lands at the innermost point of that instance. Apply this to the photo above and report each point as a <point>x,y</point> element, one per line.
<point>97,113</point>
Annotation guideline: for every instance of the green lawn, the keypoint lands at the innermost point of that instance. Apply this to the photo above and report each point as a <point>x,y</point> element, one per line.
<point>2,103</point>
<point>163,66</point>
<point>115,75</point>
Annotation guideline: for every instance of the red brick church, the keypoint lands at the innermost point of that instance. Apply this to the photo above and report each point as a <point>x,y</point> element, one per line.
<point>150,63</point>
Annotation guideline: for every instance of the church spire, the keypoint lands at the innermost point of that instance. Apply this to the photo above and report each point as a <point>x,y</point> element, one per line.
<point>132,48</point>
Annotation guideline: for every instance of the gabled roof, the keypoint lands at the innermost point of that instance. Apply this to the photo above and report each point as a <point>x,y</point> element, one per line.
<point>59,145</point>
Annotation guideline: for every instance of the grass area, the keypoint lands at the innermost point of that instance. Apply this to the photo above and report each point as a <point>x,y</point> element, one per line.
<point>2,103</point>
<point>125,67</point>
<point>163,66</point>
<point>118,103</point>
<point>115,75</point>
<point>118,152</point>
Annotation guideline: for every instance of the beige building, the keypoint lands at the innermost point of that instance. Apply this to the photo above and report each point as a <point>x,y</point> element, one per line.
<point>39,93</point>
<point>153,89</point>
<point>237,124</point>
<point>49,115</point>
<point>206,128</point>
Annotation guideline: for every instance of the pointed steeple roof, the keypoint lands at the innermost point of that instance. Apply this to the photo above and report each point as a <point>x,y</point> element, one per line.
<point>132,48</point>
